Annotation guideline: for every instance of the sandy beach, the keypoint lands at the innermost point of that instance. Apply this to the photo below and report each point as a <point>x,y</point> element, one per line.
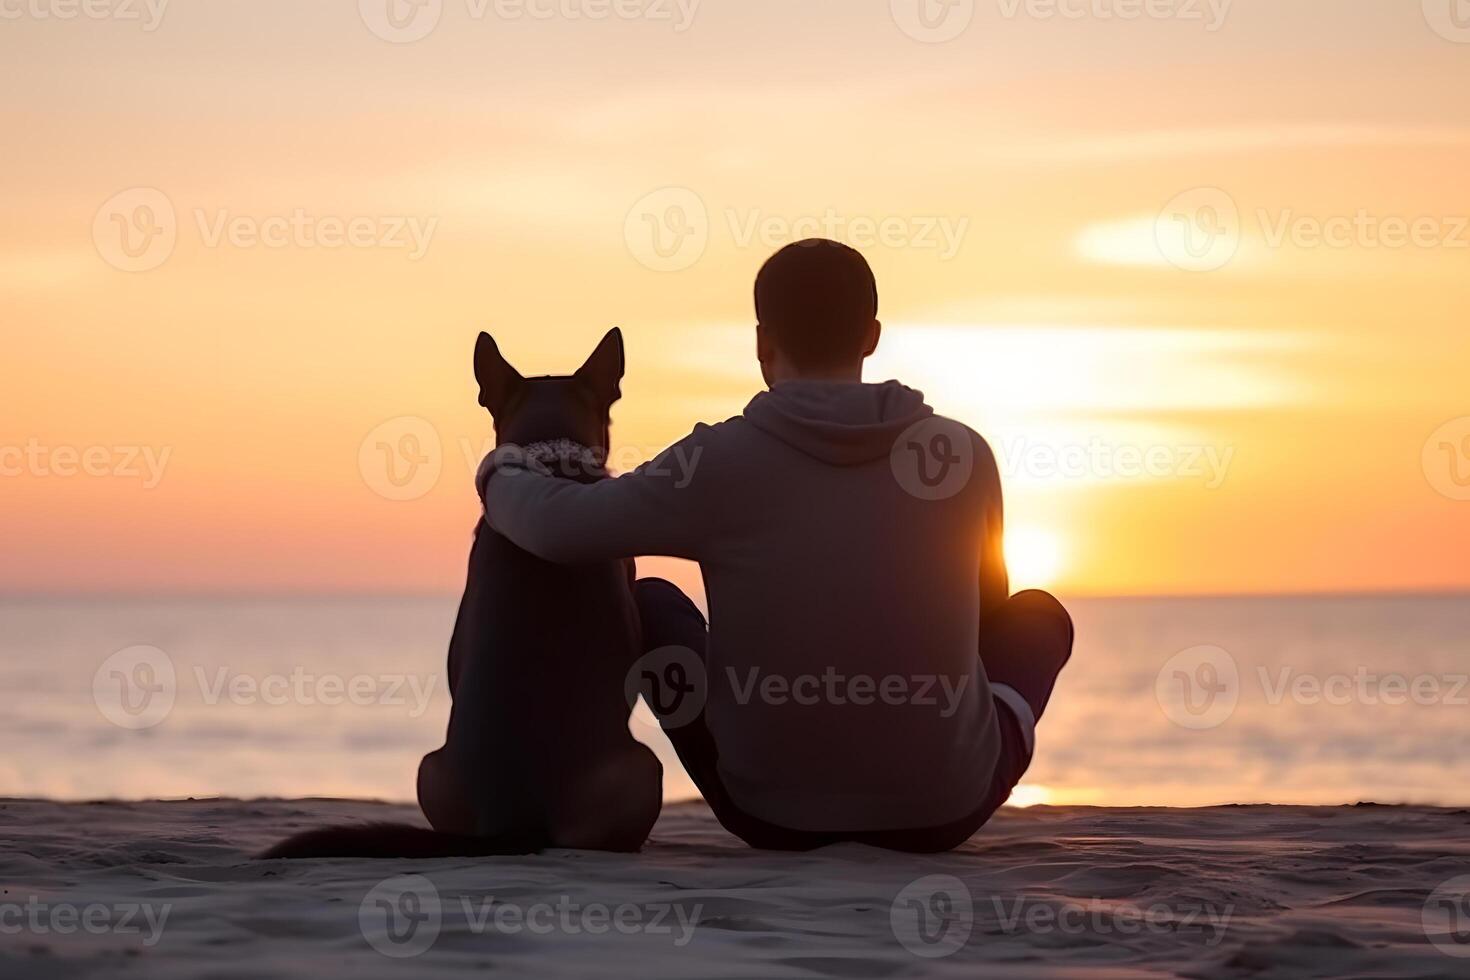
<point>168,890</point>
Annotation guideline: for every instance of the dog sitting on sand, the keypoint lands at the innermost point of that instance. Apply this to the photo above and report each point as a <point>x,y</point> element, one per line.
<point>538,752</point>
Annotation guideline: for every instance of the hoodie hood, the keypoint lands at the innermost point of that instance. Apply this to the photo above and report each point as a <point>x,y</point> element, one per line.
<point>838,422</point>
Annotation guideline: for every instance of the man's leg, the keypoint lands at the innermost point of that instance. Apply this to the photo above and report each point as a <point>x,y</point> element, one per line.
<point>671,619</point>
<point>1025,644</point>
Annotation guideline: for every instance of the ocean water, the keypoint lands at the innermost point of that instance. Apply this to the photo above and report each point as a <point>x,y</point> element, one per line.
<point>1167,701</point>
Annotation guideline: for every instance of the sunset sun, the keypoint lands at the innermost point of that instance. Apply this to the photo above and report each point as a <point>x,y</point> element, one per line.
<point>1034,557</point>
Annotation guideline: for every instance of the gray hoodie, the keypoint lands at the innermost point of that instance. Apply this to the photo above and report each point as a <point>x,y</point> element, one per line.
<point>850,541</point>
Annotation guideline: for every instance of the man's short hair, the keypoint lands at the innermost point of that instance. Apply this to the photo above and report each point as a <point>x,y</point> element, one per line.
<point>817,299</point>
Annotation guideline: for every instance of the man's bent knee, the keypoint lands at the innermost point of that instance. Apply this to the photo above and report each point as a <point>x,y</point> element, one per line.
<point>661,602</point>
<point>1043,604</point>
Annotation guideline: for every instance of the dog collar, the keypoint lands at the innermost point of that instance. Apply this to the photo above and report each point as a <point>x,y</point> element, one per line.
<point>564,457</point>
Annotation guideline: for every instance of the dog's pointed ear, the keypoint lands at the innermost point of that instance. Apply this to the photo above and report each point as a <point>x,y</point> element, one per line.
<point>604,369</point>
<point>498,380</point>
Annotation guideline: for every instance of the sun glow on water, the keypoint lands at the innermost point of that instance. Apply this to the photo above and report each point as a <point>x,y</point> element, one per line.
<point>1030,794</point>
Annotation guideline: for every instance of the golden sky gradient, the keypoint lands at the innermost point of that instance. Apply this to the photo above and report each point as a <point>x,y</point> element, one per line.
<point>1025,178</point>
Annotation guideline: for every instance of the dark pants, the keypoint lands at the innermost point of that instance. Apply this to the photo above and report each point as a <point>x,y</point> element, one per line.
<point>1025,644</point>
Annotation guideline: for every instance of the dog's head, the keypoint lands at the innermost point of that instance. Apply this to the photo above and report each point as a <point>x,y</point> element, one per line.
<point>575,408</point>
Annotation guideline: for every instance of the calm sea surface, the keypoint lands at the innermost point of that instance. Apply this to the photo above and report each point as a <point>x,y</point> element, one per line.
<point>1167,701</point>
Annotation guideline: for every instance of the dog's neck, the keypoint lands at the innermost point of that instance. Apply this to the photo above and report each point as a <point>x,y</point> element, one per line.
<point>567,459</point>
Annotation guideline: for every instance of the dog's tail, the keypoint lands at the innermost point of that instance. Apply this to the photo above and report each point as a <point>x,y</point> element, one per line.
<point>399,840</point>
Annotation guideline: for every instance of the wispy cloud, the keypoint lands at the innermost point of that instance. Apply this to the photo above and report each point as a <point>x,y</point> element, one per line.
<point>1210,141</point>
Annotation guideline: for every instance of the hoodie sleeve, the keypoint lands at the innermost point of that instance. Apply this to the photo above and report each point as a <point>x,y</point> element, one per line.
<point>654,510</point>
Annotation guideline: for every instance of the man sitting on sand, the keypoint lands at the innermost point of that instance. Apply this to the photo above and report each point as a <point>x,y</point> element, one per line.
<point>866,675</point>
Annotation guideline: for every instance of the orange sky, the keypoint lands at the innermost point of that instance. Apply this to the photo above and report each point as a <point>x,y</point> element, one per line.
<point>1023,182</point>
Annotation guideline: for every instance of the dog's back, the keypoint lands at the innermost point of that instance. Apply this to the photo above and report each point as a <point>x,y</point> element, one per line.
<point>537,667</point>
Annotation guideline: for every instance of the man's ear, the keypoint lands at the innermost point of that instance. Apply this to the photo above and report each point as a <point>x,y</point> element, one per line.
<point>604,369</point>
<point>875,334</point>
<point>498,380</point>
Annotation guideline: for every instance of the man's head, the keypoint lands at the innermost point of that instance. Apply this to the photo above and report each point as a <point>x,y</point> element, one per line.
<point>816,304</point>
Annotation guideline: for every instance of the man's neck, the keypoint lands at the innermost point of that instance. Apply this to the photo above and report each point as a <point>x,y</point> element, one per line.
<point>851,374</point>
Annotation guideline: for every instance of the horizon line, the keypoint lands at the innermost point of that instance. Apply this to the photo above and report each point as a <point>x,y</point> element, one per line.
<point>312,595</point>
